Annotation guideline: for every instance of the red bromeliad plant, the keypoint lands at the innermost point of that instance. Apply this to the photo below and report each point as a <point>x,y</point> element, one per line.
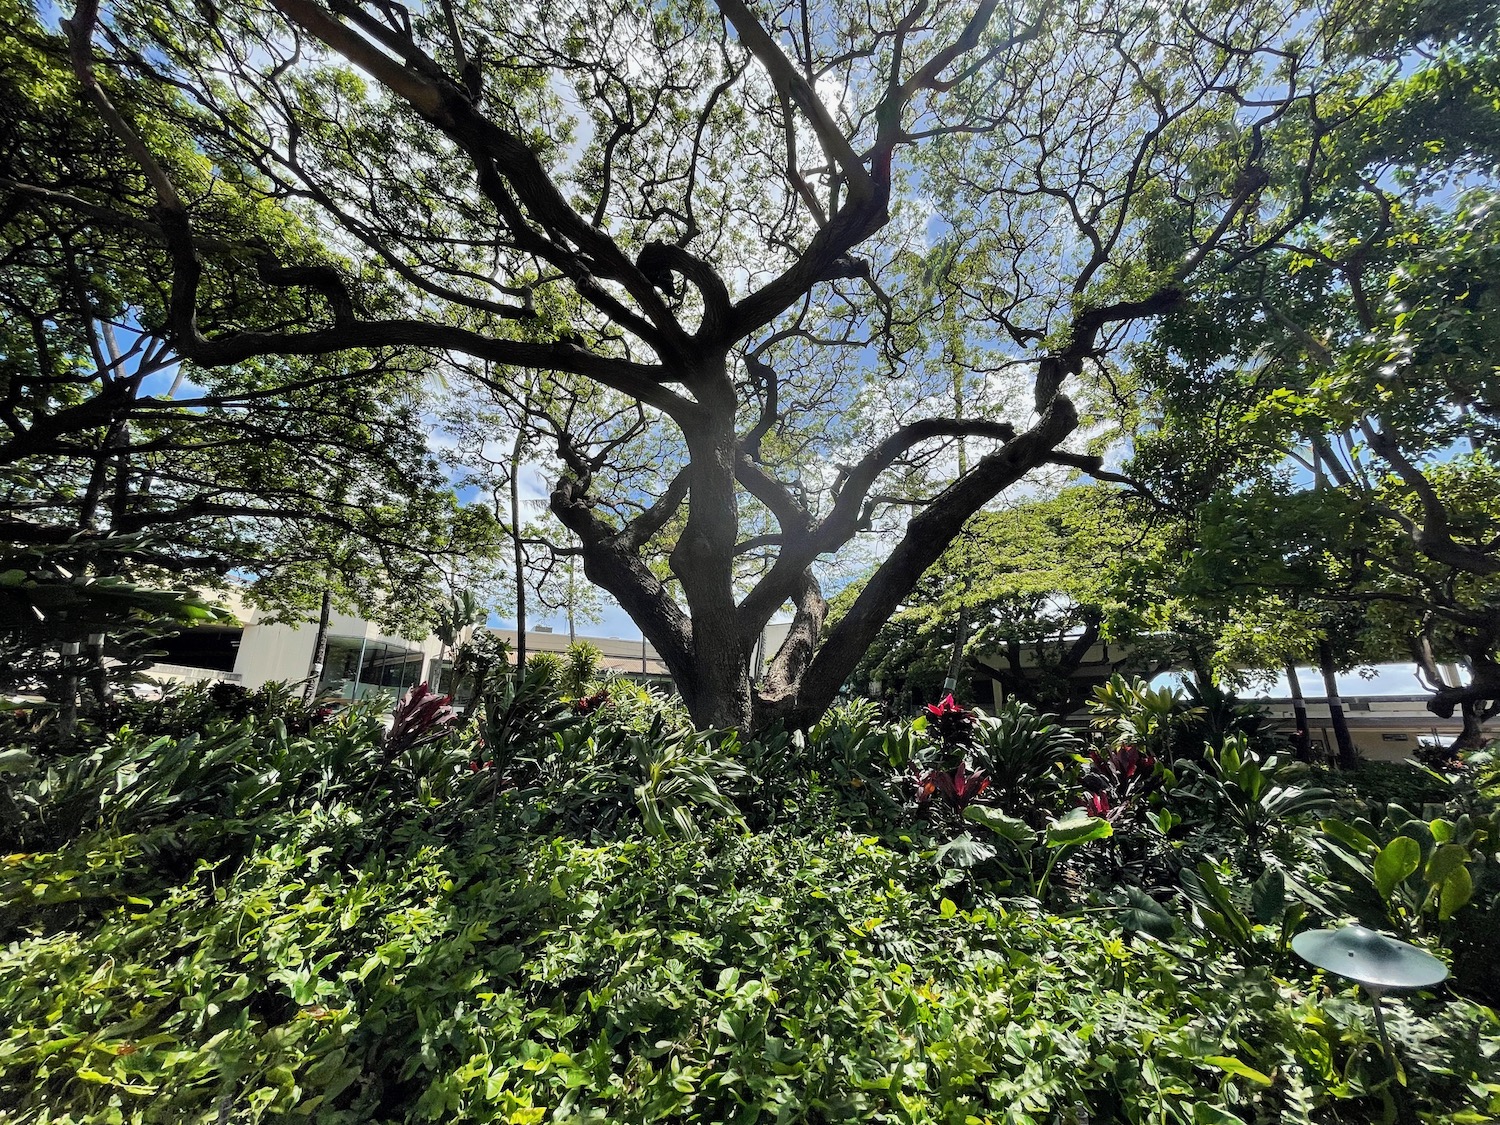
<point>420,717</point>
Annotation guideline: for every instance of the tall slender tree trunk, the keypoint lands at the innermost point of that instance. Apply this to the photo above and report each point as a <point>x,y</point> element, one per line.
<point>961,626</point>
<point>520,550</point>
<point>98,674</point>
<point>67,711</point>
<point>1347,758</point>
<point>572,596</point>
<point>320,649</point>
<point>1302,740</point>
<point>960,639</point>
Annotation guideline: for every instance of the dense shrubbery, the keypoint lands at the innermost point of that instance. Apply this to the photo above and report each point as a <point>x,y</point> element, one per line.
<point>583,909</point>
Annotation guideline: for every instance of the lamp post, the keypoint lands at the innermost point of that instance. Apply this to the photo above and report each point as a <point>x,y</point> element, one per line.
<point>1381,964</point>
<point>67,717</point>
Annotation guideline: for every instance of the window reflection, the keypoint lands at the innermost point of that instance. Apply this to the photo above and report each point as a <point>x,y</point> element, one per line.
<point>357,668</point>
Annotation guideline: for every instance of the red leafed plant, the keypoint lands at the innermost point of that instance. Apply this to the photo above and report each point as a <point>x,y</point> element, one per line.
<point>590,703</point>
<point>958,788</point>
<point>1117,779</point>
<point>421,716</point>
<point>953,724</point>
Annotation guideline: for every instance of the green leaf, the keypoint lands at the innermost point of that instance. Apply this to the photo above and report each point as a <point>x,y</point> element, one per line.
<point>15,761</point>
<point>1232,1065</point>
<point>963,851</point>
<point>1077,828</point>
<point>1349,835</point>
<point>1145,915</point>
<point>947,908</point>
<point>1013,829</point>
<point>1204,1114</point>
<point>1396,861</point>
<point>1458,889</point>
<point>1268,896</point>
<point>1445,860</point>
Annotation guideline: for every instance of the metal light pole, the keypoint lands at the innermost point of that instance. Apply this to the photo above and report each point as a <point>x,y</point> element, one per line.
<point>1381,964</point>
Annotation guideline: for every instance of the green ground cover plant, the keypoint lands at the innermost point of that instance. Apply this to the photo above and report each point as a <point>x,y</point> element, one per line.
<point>581,909</point>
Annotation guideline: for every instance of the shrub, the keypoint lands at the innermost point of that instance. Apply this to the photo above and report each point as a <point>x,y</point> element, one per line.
<point>1024,753</point>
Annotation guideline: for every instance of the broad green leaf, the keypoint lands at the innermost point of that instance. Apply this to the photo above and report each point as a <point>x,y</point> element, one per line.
<point>1145,915</point>
<point>1445,860</point>
<point>1013,829</point>
<point>1396,861</point>
<point>1077,828</point>
<point>1268,896</point>
<point>15,761</point>
<point>1458,889</point>
<point>1349,835</point>
<point>963,851</point>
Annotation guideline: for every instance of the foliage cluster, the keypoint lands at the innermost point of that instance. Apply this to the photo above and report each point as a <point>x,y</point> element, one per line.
<point>560,912</point>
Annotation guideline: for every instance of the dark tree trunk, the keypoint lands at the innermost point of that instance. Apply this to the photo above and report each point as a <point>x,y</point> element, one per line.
<point>1302,738</point>
<point>1472,736</point>
<point>960,639</point>
<point>67,710</point>
<point>519,548</point>
<point>1347,756</point>
<point>98,674</point>
<point>926,537</point>
<point>320,649</point>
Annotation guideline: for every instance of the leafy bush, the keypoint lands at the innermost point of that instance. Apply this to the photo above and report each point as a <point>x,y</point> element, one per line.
<point>1023,753</point>
<point>557,914</point>
<point>580,668</point>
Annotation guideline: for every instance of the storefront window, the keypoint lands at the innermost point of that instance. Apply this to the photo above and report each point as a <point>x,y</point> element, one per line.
<point>358,669</point>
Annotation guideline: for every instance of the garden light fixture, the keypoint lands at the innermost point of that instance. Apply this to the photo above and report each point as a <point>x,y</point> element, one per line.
<point>1381,964</point>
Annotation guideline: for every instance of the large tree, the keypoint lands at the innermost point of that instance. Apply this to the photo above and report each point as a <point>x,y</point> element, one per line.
<point>118,459</point>
<point>1341,402</point>
<point>776,230</point>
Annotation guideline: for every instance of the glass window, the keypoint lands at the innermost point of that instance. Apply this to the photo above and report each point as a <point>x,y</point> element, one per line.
<point>358,669</point>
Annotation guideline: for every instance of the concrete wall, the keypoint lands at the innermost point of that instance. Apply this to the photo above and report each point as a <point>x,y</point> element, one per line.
<point>284,652</point>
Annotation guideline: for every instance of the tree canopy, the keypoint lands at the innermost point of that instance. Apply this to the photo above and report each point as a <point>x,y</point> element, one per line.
<point>1331,413</point>
<point>120,458</point>
<point>771,236</point>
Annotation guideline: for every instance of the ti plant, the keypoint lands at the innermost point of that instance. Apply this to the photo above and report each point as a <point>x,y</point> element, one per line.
<point>1023,753</point>
<point>952,779</point>
<point>422,716</point>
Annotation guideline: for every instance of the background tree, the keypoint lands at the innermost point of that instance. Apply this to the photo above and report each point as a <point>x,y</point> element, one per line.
<point>120,460</point>
<point>1041,585</point>
<point>1343,396</point>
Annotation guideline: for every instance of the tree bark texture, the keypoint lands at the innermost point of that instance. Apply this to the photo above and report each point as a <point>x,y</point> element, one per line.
<point>1348,757</point>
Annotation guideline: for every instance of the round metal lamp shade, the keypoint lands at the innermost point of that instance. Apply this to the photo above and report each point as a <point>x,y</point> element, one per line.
<point>1374,960</point>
